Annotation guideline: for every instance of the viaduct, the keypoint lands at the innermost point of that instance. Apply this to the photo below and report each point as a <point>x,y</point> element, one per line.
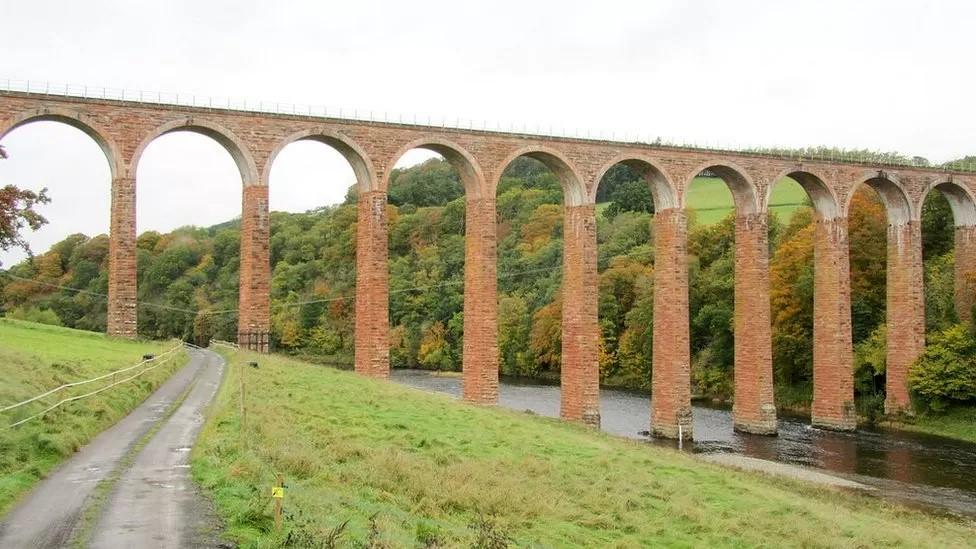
<point>123,128</point>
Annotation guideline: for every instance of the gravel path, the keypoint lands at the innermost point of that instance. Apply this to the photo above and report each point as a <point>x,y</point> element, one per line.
<point>781,469</point>
<point>94,484</point>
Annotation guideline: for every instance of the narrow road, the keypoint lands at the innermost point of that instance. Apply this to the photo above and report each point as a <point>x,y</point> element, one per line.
<point>116,493</point>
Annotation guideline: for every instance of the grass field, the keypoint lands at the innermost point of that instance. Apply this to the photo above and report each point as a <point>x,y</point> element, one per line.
<point>35,358</point>
<point>374,464</point>
<point>710,200</point>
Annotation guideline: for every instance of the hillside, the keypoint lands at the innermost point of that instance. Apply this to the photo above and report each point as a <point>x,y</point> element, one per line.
<point>372,463</point>
<point>35,358</point>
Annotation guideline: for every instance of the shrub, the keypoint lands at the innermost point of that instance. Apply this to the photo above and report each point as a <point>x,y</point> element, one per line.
<point>946,371</point>
<point>33,314</point>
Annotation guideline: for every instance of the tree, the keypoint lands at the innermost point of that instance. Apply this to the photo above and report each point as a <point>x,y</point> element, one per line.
<point>17,213</point>
<point>946,371</point>
<point>791,300</point>
<point>629,196</point>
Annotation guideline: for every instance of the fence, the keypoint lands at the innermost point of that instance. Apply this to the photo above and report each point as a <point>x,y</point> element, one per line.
<point>227,344</point>
<point>255,341</point>
<point>152,363</point>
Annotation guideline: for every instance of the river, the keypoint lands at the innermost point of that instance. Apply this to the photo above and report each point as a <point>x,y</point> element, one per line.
<point>924,471</point>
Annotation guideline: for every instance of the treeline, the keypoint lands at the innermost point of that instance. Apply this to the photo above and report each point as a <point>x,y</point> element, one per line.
<point>188,281</point>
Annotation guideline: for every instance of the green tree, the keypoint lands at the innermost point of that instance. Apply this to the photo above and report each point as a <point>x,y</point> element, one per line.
<point>946,371</point>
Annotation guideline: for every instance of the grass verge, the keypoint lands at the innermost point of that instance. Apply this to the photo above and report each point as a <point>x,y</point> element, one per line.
<point>375,464</point>
<point>35,358</point>
<point>958,423</point>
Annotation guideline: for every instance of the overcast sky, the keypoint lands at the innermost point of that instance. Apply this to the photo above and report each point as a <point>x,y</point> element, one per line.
<point>884,75</point>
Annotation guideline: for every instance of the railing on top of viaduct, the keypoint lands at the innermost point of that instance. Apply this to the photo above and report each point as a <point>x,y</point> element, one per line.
<point>456,123</point>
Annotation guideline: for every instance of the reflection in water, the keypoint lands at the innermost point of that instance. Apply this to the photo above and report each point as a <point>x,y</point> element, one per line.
<point>917,469</point>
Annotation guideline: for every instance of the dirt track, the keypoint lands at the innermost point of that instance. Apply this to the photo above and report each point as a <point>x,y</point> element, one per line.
<point>122,490</point>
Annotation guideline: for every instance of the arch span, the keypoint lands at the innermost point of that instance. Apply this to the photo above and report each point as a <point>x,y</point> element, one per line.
<point>468,169</point>
<point>349,149</point>
<point>663,191</point>
<point>574,190</point>
<point>231,143</point>
<point>744,192</point>
<point>76,120</point>
<point>824,200</point>
<point>960,200</point>
<point>897,205</point>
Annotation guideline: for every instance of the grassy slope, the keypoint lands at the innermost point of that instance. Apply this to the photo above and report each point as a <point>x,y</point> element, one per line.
<point>711,200</point>
<point>426,467</point>
<point>35,358</point>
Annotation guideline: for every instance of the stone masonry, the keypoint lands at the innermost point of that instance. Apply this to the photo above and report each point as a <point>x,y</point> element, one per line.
<point>965,271</point>
<point>753,409</point>
<point>671,371</point>
<point>123,129</point>
<point>122,259</point>
<point>480,352</point>
<point>254,313</point>
<point>372,287</point>
<point>833,373</point>
<point>580,370</point>
<point>906,311</point>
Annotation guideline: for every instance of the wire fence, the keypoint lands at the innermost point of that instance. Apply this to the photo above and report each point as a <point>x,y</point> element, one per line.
<point>544,130</point>
<point>146,365</point>
<point>226,344</point>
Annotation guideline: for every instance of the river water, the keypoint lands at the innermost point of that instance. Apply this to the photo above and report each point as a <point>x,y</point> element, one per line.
<point>929,472</point>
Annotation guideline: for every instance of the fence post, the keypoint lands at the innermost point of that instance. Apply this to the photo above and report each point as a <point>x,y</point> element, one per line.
<point>278,497</point>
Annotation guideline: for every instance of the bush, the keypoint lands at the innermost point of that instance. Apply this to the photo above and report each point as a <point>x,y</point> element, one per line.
<point>33,314</point>
<point>946,371</point>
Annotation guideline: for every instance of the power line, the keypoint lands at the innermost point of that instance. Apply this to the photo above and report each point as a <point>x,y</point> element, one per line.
<point>305,302</point>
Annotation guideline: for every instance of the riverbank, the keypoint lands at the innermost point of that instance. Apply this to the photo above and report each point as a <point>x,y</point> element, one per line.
<point>35,358</point>
<point>374,462</point>
<point>958,423</point>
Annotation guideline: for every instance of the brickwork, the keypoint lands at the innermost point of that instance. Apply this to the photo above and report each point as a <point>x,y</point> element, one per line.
<point>122,260</point>
<point>671,371</point>
<point>372,287</point>
<point>124,129</point>
<point>753,410</point>
<point>965,271</point>
<point>254,309</point>
<point>906,311</point>
<point>833,353</point>
<point>480,303</point>
<point>580,375</point>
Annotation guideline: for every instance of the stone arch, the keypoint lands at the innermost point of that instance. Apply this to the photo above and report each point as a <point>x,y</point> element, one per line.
<point>662,189</point>
<point>76,120</point>
<point>825,202</point>
<point>574,189</point>
<point>231,143</point>
<point>460,159</point>
<point>352,152</point>
<point>898,206</point>
<point>744,191</point>
<point>960,200</point>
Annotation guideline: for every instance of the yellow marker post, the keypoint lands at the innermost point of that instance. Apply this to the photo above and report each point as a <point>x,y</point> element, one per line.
<point>278,494</point>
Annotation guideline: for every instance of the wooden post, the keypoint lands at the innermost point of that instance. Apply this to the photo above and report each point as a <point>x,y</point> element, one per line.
<point>279,495</point>
<point>243,407</point>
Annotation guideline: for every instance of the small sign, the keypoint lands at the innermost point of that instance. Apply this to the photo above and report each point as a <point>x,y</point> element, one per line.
<point>278,492</point>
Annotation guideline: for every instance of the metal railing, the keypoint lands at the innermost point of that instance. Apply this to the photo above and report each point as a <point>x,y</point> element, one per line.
<point>543,130</point>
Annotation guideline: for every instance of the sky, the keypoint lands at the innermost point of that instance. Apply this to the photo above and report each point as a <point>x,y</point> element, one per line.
<point>882,75</point>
